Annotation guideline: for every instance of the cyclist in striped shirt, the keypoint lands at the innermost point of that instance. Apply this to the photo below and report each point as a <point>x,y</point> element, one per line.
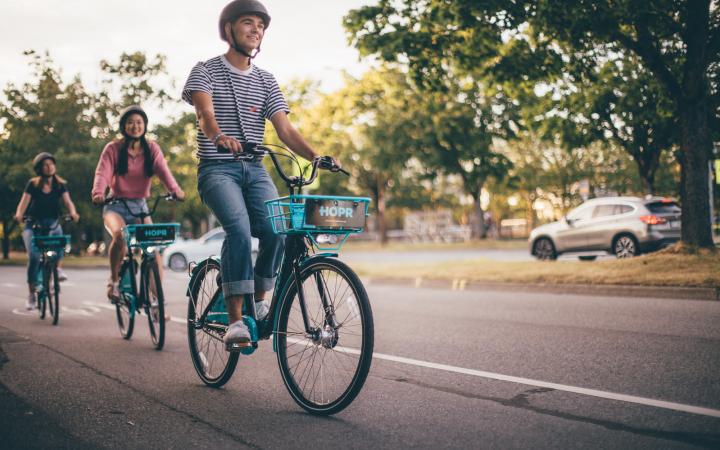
<point>232,99</point>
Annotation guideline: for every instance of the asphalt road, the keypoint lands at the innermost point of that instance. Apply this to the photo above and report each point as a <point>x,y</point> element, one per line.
<point>453,369</point>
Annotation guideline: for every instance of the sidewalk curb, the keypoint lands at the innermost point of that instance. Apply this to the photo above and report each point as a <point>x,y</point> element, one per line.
<point>598,290</point>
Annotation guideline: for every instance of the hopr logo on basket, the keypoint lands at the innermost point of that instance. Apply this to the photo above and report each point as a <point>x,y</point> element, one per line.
<point>334,211</point>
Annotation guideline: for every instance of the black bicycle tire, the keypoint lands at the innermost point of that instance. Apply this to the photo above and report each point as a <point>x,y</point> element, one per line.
<point>126,331</point>
<point>53,297</point>
<point>41,296</point>
<point>157,336</point>
<point>363,367</point>
<point>224,376</point>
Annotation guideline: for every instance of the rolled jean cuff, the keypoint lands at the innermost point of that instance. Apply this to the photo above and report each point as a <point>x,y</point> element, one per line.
<point>264,284</point>
<point>241,287</point>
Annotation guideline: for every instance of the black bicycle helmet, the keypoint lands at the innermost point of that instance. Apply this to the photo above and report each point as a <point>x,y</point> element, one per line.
<point>238,8</point>
<point>132,109</point>
<point>39,159</point>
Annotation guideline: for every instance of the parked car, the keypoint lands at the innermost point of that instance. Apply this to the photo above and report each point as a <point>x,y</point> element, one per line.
<point>178,255</point>
<point>623,226</point>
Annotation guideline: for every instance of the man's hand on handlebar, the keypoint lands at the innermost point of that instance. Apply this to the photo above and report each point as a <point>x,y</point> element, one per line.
<point>179,194</point>
<point>330,163</point>
<point>229,143</point>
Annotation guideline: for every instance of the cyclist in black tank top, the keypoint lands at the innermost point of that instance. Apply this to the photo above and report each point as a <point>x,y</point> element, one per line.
<point>41,201</point>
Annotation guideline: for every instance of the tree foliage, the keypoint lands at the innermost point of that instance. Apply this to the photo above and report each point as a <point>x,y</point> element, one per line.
<point>678,42</point>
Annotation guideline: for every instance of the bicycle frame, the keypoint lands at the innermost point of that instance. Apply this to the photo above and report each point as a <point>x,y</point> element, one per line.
<point>48,257</point>
<point>295,257</point>
<point>139,296</point>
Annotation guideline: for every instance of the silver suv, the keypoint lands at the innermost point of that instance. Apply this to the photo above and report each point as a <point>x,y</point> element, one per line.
<point>624,226</point>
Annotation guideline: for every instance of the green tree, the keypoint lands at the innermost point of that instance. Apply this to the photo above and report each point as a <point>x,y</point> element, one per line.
<point>459,130</point>
<point>619,102</point>
<point>48,115</point>
<point>138,76</point>
<point>678,41</point>
<point>177,140</point>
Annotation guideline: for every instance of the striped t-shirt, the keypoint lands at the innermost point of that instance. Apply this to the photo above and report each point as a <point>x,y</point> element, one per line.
<point>242,101</point>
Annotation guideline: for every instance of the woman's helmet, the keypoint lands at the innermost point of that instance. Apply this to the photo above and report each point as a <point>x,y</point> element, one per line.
<point>238,8</point>
<point>38,161</point>
<point>132,109</point>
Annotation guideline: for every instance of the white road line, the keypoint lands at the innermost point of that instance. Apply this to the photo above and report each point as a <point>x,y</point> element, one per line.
<point>545,384</point>
<point>560,387</point>
<point>512,379</point>
<point>20,312</point>
<point>111,307</point>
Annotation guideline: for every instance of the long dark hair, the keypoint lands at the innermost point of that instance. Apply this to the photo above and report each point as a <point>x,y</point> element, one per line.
<point>56,181</point>
<point>122,166</point>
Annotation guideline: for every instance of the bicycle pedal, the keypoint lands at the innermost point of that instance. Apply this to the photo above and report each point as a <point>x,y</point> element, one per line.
<point>237,346</point>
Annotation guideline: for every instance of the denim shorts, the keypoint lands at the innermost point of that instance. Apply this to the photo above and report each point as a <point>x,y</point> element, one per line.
<point>136,205</point>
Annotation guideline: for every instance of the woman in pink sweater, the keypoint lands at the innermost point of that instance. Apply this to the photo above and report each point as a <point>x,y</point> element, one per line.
<point>126,166</point>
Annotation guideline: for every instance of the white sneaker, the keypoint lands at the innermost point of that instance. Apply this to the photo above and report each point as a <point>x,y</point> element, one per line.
<point>262,308</point>
<point>237,336</point>
<point>113,291</point>
<point>30,305</point>
<point>61,275</point>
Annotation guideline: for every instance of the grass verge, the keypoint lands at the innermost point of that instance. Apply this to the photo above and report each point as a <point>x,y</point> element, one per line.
<point>647,270</point>
<point>69,261</point>
<point>487,244</point>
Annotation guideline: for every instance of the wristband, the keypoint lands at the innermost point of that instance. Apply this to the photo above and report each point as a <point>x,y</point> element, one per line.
<point>216,137</point>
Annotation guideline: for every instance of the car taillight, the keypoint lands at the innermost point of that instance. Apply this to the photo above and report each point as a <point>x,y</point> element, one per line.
<point>653,220</point>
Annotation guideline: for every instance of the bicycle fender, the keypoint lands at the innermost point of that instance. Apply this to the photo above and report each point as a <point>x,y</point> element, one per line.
<point>196,270</point>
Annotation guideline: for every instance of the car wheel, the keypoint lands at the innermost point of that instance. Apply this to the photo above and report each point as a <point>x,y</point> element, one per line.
<point>587,258</point>
<point>544,249</point>
<point>626,246</point>
<point>177,262</point>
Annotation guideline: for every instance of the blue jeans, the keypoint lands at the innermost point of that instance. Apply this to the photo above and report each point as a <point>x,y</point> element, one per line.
<point>236,191</point>
<point>34,256</point>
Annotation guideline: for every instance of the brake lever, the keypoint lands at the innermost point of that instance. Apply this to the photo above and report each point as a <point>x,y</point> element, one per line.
<point>327,163</point>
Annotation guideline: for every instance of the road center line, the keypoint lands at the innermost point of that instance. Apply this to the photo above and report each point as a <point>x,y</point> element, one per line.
<point>520,380</point>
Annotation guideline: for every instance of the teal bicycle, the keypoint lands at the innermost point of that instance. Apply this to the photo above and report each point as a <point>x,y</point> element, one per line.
<point>147,296</point>
<point>51,249</point>
<point>320,318</point>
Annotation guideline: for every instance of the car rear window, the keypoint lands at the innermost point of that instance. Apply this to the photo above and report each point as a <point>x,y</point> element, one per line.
<point>663,207</point>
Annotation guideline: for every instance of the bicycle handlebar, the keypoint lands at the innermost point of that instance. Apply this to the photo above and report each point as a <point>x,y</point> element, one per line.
<point>170,197</point>
<point>35,226</point>
<point>251,150</point>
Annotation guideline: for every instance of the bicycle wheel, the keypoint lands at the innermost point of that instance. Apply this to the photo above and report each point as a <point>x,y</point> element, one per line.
<point>52,293</point>
<point>41,294</point>
<point>212,362</point>
<point>125,307</point>
<point>155,305</point>
<point>326,369</point>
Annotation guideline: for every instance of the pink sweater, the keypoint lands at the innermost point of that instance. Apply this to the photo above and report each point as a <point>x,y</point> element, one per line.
<point>134,184</point>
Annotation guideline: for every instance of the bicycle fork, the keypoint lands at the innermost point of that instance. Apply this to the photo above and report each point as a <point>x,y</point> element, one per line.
<point>326,335</point>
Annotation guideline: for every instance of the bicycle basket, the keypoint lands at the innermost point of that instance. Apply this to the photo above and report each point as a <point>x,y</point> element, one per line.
<point>51,243</point>
<point>151,234</point>
<point>317,213</point>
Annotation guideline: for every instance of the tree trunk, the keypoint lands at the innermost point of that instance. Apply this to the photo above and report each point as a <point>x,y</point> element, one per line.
<point>695,145</point>
<point>647,163</point>
<point>478,230</point>
<point>8,226</point>
<point>380,219</point>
